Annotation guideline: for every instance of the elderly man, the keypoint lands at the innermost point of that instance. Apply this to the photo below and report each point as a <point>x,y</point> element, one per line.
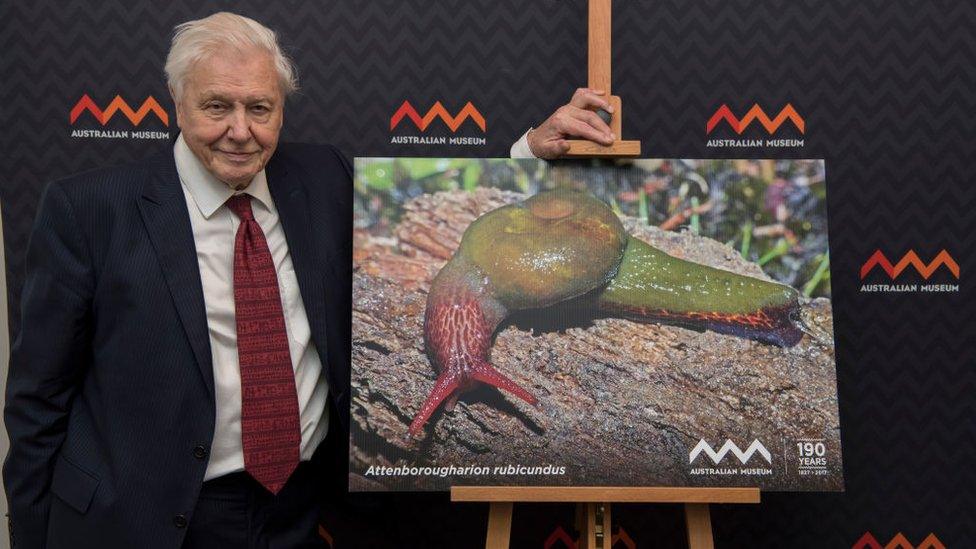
<point>185,325</point>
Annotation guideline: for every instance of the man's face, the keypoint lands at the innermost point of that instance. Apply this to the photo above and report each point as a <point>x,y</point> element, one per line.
<point>230,113</point>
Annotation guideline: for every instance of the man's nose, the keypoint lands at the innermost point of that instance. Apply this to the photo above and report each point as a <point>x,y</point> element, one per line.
<point>238,127</point>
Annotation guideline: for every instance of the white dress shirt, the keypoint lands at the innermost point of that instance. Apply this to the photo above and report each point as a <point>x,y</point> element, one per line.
<point>520,149</point>
<point>214,231</point>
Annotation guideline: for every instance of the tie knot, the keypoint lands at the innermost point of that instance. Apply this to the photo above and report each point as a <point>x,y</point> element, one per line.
<point>240,204</point>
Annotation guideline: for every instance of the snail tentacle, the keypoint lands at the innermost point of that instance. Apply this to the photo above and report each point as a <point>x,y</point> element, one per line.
<point>447,383</point>
<point>486,373</point>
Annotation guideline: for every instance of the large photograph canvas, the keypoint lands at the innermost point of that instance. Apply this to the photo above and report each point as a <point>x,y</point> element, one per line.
<point>582,323</point>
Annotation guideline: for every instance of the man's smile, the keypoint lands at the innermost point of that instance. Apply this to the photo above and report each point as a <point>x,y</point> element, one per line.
<point>238,156</point>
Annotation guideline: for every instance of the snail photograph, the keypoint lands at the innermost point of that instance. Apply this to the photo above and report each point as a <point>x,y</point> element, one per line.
<point>625,323</point>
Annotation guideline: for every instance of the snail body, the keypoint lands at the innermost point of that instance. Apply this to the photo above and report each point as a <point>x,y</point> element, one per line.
<point>651,285</point>
<point>560,245</point>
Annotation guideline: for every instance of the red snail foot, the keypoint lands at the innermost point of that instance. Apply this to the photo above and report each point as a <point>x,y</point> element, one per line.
<point>452,382</point>
<point>486,373</point>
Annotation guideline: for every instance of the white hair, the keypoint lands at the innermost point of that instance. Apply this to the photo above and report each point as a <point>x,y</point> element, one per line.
<point>196,40</point>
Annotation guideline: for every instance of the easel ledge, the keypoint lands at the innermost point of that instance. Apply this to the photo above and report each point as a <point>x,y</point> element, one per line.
<point>601,494</point>
<point>593,508</point>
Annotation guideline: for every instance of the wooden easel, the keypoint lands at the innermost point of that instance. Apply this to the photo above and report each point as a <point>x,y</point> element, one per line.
<point>593,508</point>
<point>593,504</point>
<point>599,53</point>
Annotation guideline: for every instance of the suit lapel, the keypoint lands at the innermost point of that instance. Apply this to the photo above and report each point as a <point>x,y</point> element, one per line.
<point>163,208</point>
<point>290,201</point>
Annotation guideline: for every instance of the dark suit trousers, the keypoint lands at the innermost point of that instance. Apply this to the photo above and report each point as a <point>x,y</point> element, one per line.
<point>235,512</point>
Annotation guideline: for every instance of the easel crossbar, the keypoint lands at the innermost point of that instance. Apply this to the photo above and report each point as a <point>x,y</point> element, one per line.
<point>600,494</point>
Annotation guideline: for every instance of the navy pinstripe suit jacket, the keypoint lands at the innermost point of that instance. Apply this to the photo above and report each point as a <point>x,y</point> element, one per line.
<point>110,398</point>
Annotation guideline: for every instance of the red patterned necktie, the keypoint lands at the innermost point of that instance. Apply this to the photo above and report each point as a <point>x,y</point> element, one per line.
<point>270,430</point>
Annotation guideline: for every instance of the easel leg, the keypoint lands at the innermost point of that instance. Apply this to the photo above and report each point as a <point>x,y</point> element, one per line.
<point>699,526</point>
<point>586,525</point>
<point>593,524</point>
<point>499,525</point>
<point>606,531</point>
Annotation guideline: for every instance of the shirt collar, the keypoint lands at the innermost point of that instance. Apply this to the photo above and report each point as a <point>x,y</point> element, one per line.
<point>208,192</point>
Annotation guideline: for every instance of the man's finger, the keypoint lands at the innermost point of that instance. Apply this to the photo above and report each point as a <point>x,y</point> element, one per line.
<point>577,128</point>
<point>590,118</point>
<point>586,99</point>
<point>549,149</point>
<point>588,90</point>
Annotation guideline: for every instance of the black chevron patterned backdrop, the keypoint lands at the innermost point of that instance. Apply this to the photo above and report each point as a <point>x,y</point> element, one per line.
<point>887,90</point>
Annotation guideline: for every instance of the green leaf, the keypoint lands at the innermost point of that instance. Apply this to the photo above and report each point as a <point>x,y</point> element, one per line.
<point>746,239</point>
<point>823,270</point>
<point>419,168</point>
<point>642,206</point>
<point>779,249</point>
<point>472,175</point>
<point>376,173</point>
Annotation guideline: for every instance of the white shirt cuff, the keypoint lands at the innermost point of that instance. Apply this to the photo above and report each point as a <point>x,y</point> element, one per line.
<point>521,147</point>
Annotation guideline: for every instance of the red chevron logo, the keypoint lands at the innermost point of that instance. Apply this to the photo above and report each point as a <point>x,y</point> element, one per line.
<point>623,537</point>
<point>910,259</point>
<point>755,113</point>
<point>868,541</point>
<point>435,112</point>
<point>119,105</point>
<point>559,539</point>
<point>559,536</point>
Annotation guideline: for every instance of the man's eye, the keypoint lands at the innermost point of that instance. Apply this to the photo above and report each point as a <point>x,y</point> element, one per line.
<point>260,109</point>
<point>215,107</point>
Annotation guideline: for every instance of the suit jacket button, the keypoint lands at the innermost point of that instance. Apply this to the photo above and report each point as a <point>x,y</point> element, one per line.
<point>200,452</point>
<point>179,521</point>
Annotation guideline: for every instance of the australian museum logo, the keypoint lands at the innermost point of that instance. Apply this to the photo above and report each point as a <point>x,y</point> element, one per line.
<point>438,126</point>
<point>118,119</point>
<point>909,273</point>
<point>742,462</point>
<point>755,128</point>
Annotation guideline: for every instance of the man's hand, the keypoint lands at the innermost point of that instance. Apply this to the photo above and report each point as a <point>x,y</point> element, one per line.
<point>576,119</point>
